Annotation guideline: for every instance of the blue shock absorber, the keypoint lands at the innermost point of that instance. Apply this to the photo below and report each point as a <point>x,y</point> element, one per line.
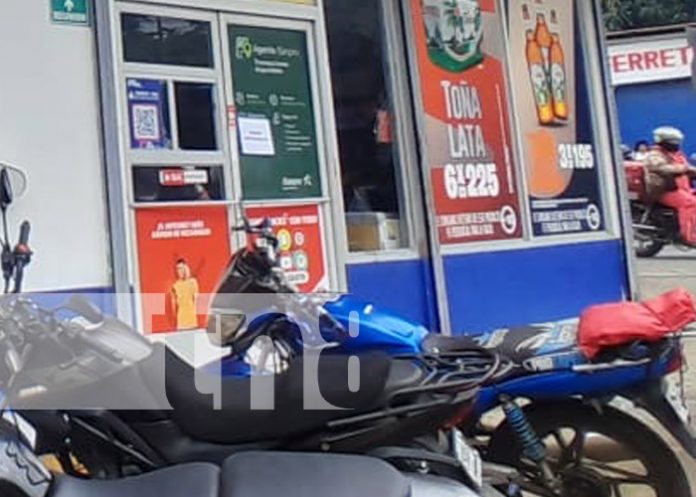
<point>532,446</point>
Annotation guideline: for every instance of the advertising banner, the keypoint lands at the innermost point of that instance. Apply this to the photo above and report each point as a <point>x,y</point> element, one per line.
<point>182,253</point>
<point>274,113</point>
<point>301,238</point>
<point>553,109</point>
<point>652,60</point>
<point>148,113</point>
<point>460,52</point>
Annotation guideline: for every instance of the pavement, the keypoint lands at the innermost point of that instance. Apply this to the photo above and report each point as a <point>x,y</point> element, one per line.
<point>671,269</point>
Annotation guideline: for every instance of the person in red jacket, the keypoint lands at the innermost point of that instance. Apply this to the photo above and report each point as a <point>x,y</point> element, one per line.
<point>667,160</point>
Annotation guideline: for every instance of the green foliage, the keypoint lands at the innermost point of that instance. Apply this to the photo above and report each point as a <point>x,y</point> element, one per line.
<point>634,14</point>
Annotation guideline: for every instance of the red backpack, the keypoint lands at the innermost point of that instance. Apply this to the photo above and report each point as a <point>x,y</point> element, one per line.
<point>612,325</point>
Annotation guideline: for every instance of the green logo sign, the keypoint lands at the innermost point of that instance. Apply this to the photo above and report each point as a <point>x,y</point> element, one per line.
<point>243,47</point>
<point>454,30</point>
<point>70,11</point>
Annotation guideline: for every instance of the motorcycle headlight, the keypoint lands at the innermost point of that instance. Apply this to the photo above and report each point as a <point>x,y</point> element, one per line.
<point>224,327</point>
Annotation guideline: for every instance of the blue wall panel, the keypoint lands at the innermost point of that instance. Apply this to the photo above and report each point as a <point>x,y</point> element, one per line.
<point>643,107</point>
<point>525,286</point>
<point>404,287</point>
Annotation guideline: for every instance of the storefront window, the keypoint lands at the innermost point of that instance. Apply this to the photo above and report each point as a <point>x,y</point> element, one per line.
<point>621,15</point>
<point>372,184</point>
<point>166,40</point>
<point>195,115</point>
<point>178,184</point>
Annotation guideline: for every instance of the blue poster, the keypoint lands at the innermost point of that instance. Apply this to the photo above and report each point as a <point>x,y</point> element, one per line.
<point>148,113</point>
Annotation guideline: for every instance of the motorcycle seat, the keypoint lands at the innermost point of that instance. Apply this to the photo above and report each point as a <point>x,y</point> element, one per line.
<point>266,474</point>
<point>253,475</point>
<point>187,480</point>
<point>233,421</point>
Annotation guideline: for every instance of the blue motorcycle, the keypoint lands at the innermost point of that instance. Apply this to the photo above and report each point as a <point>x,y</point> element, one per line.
<point>563,420</point>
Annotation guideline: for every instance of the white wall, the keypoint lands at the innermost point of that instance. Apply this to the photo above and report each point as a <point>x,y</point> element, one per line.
<point>49,126</point>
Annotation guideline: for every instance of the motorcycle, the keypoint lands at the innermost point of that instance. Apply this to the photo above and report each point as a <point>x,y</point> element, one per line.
<point>655,226</point>
<point>571,435</point>
<point>52,364</point>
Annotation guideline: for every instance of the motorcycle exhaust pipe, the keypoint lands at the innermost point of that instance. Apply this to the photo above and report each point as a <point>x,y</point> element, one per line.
<point>601,449</point>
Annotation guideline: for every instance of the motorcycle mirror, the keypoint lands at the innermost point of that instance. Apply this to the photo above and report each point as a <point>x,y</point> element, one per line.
<point>13,184</point>
<point>86,309</point>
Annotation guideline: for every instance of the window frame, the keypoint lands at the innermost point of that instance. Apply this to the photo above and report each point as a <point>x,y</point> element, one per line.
<point>171,74</point>
<point>406,161</point>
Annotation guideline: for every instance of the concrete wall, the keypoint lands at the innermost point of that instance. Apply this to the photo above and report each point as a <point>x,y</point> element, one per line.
<point>49,126</point>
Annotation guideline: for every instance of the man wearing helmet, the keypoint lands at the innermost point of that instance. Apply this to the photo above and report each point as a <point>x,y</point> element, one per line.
<point>668,179</point>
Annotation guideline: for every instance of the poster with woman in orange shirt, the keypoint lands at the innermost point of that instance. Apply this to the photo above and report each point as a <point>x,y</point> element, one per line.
<point>184,297</point>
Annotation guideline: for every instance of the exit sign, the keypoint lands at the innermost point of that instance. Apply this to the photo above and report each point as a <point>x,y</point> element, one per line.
<point>70,11</point>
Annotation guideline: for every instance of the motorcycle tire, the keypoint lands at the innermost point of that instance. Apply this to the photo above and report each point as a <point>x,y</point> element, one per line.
<point>644,250</point>
<point>649,250</point>
<point>664,470</point>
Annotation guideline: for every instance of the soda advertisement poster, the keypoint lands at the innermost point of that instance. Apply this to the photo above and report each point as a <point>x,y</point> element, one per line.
<point>459,46</point>
<point>182,253</point>
<point>553,111</point>
<point>301,243</point>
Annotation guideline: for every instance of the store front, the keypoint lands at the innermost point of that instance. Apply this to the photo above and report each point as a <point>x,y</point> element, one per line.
<point>448,159</point>
<point>652,83</point>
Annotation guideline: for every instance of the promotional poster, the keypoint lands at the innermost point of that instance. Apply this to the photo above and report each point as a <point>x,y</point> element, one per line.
<point>552,107</point>
<point>148,112</point>
<point>460,53</point>
<point>300,235</point>
<point>182,253</point>
<point>274,113</point>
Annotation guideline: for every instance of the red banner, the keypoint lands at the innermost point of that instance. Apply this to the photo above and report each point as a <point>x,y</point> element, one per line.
<point>301,243</point>
<point>182,252</point>
<point>468,138</point>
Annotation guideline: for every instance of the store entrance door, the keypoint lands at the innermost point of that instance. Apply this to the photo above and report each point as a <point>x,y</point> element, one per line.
<point>218,120</point>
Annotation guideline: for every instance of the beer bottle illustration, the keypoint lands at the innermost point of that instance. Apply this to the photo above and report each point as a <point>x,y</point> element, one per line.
<point>543,38</point>
<point>525,12</point>
<point>559,89</point>
<point>540,80</point>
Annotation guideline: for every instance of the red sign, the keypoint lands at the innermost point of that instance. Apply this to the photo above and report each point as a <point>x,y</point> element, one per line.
<point>182,253</point>
<point>301,243</point>
<point>468,138</point>
<point>183,177</point>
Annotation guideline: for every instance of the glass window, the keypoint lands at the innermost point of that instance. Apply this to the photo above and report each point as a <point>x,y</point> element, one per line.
<point>621,15</point>
<point>178,184</point>
<point>372,185</point>
<point>166,40</point>
<point>195,116</point>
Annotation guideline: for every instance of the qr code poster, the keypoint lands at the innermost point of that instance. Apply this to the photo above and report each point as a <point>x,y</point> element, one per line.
<point>149,113</point>
<point>146,123</point>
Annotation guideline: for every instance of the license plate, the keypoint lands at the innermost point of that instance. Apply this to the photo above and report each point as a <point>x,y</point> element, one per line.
<point>468,457</point>
<point>673,394</point>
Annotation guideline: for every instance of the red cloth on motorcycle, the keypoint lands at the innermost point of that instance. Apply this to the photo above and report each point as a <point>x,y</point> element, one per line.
<point>612,325</point>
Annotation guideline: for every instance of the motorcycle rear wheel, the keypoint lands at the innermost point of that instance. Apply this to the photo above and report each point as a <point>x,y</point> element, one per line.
<point>649,466</point>
<point>644,244</point>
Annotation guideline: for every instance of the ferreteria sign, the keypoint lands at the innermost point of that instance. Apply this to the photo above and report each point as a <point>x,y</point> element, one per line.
<point>648,61</point>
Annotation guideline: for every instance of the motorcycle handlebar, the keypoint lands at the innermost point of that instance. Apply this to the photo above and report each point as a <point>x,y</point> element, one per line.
<point>101,348</point>
<point>24,234</point>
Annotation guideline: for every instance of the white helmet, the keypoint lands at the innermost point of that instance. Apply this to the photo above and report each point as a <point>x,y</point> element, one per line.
<point>668,135</point>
